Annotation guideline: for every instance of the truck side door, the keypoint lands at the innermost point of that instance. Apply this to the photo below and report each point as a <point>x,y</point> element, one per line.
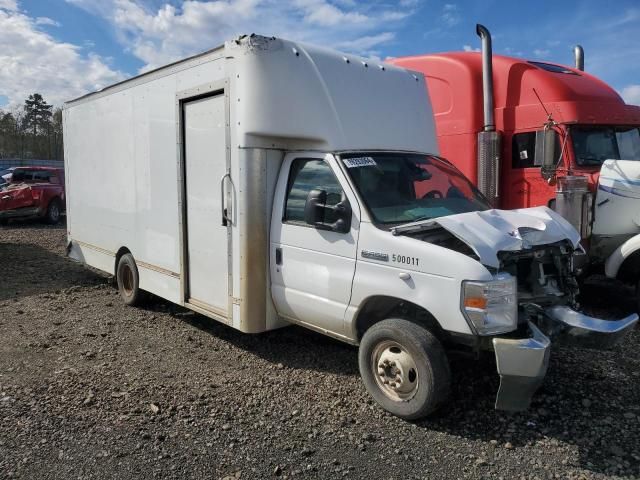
<point>311,269</point>
<point>522,180</point>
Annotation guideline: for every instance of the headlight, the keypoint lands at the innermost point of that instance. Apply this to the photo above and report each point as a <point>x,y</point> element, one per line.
<point>491,306</point>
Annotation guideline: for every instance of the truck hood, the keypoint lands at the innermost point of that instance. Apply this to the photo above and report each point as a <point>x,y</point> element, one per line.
<point>620,178</point>
<point>491,231</point>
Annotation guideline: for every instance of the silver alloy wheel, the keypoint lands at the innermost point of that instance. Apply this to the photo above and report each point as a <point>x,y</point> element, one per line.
<point>394,370</point>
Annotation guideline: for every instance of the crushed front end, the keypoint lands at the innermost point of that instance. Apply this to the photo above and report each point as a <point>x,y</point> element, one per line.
<point>547,293</point>
<point>532,298</point>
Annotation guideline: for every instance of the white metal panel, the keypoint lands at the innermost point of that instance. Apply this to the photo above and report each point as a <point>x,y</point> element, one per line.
<point>434,282</point>
<point>167,286</point>
<point>313,282</point>
<point>299,96</point>
<point>205,165</point>
<point>121,161</point>
<point>98,258</point>
<point>617,205</point>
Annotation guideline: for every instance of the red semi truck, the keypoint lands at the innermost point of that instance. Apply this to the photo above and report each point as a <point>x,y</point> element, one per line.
<point>533,133</point>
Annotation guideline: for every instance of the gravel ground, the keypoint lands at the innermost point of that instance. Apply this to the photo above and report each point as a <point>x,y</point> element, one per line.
<point>92,389</point>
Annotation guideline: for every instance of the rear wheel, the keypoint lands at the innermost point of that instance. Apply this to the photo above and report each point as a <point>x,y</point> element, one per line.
<point>129,281</point>
<point>53,212</point>
<point>404,368</point>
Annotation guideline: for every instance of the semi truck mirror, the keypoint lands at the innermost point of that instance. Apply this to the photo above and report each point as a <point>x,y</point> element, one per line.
<point>314,207</point>
<point>546,154</point>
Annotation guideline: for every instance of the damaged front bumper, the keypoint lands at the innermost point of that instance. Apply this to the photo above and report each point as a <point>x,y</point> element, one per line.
<point>522,362</point>
<point>575,328</point>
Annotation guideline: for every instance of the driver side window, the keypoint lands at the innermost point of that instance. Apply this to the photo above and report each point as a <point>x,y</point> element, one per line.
<point>308,174</point>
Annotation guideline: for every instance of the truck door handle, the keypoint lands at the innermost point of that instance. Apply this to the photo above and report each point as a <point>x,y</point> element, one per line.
<point>278,256</point>
<point>225,212</point>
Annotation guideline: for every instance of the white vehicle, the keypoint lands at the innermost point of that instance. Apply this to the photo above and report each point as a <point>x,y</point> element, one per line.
<point>267,182</point>
<point>610,218</point>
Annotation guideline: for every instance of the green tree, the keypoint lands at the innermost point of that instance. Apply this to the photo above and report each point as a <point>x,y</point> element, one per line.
<point>37,114</point>
<point>56,134</point>
<point>8,129</point>
<point>33,131</point>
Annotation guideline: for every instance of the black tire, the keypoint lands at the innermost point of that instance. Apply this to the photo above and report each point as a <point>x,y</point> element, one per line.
<point>638,297</point>
<point>128,281</point>
<point>431,379</point>
<point>54,209</point>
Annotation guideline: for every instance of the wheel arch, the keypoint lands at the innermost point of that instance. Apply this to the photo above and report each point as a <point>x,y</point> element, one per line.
<point>377,308</point>
<point>629,270</point>
<point>56,198</point>
<point>624,262</point>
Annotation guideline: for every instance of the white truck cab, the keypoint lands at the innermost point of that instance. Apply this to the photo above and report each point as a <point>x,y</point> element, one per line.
<point>616,221</point>
<point>268,182</point>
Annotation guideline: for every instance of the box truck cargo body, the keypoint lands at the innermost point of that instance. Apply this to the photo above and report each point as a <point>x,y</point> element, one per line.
<point>267,182</point>
<point>228,115</point>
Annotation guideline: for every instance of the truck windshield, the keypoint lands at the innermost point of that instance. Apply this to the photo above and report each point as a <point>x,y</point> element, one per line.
<point>593,145</point>
<point>401,188</point>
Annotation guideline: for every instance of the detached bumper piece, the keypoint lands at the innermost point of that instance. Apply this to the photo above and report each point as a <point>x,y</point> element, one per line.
<point>581,330</point>
<point>522,365</point>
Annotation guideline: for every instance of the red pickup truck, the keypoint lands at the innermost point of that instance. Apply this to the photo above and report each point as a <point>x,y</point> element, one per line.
<point>33,191</point>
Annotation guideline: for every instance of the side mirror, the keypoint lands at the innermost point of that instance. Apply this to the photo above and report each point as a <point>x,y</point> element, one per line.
<point>314,208</point>
<point>317,212</point>
<point>342,215</point>
<point>546,155</point>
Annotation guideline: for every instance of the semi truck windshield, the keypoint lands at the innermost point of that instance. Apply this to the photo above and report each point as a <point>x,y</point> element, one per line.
<point>402,188</point>
<point>594,145</point>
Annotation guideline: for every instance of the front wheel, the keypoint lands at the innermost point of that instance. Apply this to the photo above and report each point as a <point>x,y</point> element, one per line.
<point>404,368</point>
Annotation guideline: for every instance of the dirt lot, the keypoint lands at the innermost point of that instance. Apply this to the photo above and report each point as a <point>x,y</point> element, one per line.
<point>92,389</point>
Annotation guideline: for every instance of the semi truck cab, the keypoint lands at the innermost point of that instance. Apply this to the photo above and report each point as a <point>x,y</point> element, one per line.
<point>534,133</point>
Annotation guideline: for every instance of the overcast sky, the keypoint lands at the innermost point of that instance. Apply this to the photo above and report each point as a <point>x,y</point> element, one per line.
<point>64,48</point>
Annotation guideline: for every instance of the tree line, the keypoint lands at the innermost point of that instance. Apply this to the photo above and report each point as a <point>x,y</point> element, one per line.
<point>33,131</point>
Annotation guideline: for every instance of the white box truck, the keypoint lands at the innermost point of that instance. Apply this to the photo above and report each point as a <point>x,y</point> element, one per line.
<point>268,182</point>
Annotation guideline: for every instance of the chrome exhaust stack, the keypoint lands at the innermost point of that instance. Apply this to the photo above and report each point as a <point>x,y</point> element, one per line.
<point>489,140</point>
<point>578,53</point>
<point>487,77</point>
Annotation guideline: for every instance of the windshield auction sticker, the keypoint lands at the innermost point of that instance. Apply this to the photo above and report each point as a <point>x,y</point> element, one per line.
<point>359,162</point>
